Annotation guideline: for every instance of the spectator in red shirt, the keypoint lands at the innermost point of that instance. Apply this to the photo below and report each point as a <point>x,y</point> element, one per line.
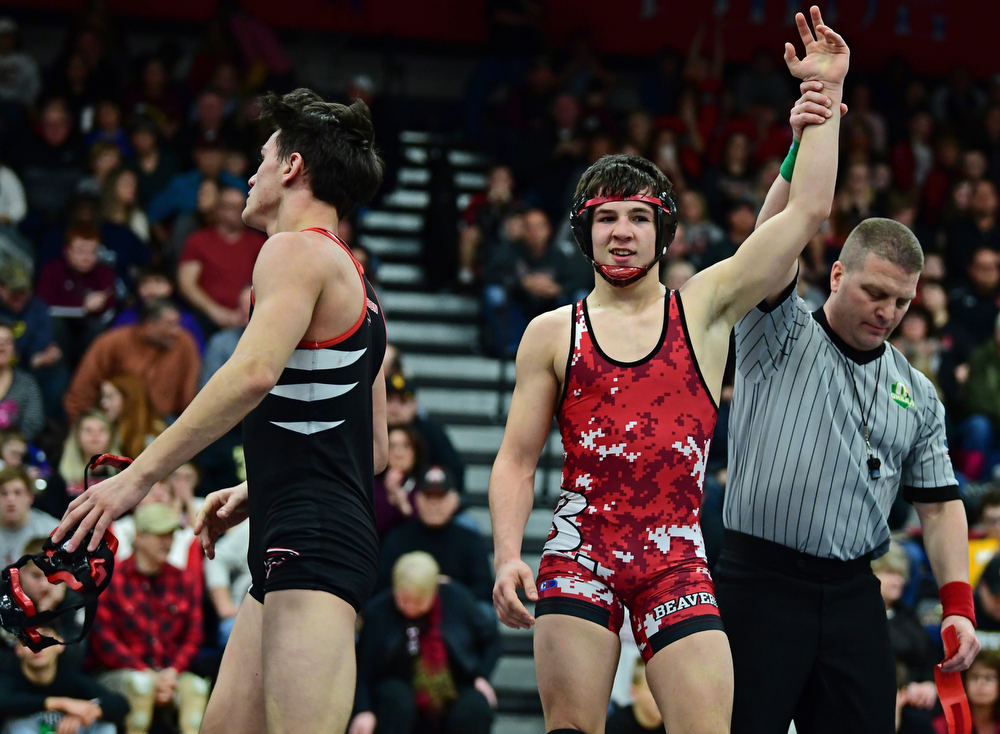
<point>217,262</point>
<point>79,290</point>
<point>148,629</point>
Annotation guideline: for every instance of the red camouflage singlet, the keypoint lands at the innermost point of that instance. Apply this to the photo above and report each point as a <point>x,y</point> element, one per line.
<point>635,438</point>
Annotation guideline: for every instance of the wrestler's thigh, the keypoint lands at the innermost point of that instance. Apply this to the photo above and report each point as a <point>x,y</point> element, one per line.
<point>308,661</point>
<point>692,682</point>
<point>575,663</point>
<point>237,701</point>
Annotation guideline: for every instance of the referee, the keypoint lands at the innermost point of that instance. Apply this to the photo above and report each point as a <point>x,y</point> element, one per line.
<point>828,423</point>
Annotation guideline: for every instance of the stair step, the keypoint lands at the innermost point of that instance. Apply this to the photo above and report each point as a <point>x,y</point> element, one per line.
<point>448,404</point>
<point>518,724</point>
<point>400,274</point>
<point>424,335</point>
<point>515,674</point>
<point>417,137</point>
<point>411,176</point>
<point>467,159</point>
<point>470,180</point>
<point>435,305</point>
<point>415,155</point>
<point>386,246</point>
<point>408,199</point>
<point>377,219</point>
<point>427,367</point>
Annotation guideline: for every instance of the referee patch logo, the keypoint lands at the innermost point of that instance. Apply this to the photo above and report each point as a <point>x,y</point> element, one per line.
<point>901,394</point>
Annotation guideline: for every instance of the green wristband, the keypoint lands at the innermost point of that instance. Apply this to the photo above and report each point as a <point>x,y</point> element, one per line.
<point>789,163</point>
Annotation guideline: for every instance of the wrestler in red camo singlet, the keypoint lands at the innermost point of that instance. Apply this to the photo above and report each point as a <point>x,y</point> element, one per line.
<point>626,530</point>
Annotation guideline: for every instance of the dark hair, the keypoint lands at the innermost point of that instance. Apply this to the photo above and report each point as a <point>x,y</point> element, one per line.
<point>336,142</point>
<point>83,232</point>
<point>990,498</point>
<point>418,446</point>
<point>622,175</point>
<point>152,271</point>
<point>154,308</point>
<point>987,659</point>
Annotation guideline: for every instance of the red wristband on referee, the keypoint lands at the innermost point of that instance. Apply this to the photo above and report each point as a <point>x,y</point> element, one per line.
<point>956,598</point>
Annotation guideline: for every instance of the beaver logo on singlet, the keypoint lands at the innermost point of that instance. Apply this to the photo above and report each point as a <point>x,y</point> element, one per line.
<point>275,557</point>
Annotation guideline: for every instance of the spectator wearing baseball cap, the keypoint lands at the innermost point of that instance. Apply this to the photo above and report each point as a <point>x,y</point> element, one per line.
<point>459,551</point>
<point>402,409</point>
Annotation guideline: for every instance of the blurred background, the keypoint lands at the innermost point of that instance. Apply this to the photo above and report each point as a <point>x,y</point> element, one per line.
<point>127,135</point>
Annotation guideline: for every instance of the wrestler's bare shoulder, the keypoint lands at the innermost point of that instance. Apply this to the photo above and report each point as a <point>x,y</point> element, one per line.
<point>546,341</point>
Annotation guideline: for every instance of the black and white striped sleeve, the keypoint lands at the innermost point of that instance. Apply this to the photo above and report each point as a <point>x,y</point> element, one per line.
<point>764,337</point>
<point>927,474</point>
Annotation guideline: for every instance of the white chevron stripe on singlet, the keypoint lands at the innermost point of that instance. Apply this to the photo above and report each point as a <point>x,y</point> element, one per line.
<point>307,428</point>
<point>311,391</point>
<point>322,359</point>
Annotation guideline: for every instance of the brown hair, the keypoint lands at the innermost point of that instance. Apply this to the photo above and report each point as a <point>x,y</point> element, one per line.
<point>884,238</point>
<point>138,420</point>
<point>988,659</point>
<point>336,142</point>
<point>14,473</point>
<point>418,446</point>
<point>82,232</point>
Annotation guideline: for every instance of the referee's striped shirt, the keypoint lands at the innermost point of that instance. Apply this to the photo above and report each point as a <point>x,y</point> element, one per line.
<point>798,472</point>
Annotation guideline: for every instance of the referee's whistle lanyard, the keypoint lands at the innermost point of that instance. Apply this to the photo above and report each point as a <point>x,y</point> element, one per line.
<point>874,463</point>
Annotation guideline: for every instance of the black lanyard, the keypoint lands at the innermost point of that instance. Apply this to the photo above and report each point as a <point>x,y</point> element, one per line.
<point>874,463</point>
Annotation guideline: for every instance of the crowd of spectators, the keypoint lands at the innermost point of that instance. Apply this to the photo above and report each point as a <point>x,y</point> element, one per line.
<point>124,285</point>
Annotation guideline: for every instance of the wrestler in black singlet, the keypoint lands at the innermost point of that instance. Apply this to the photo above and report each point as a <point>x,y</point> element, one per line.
<point>308,449</point>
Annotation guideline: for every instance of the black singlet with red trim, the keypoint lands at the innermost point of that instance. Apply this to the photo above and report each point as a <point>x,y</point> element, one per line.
<point>309,460</point>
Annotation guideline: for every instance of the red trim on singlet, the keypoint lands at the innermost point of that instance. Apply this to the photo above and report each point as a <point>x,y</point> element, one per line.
<point>364,306</point>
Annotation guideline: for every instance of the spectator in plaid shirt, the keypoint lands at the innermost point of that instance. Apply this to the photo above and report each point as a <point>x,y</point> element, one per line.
<point>149,628</point>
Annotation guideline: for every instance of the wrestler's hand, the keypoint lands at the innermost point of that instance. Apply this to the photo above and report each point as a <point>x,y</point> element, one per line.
<point>99,506</point>
<point>827,56</point>
<point>968,644</point>
<point>812,108</point>
<point>511,576</point>
<point>363,723</point>
<point>221,510</point>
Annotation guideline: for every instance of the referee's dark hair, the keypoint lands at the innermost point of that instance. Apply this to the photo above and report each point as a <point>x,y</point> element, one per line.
<point>336,142</point>
<point>884,238</point>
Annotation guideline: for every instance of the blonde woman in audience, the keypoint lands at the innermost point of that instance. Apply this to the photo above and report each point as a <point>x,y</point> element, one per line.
<point>91,436</point>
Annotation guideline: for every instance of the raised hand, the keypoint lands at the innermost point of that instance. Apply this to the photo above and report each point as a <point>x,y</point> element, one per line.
<point>827,57</point>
